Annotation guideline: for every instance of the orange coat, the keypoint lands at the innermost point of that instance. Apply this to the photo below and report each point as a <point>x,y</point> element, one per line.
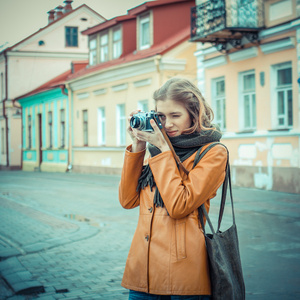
<point>168,254</point>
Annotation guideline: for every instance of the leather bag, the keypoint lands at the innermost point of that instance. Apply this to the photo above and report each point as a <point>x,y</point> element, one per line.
<point>227,282</point>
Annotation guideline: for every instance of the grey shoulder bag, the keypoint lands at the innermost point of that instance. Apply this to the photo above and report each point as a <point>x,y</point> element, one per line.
<point>227,282</point>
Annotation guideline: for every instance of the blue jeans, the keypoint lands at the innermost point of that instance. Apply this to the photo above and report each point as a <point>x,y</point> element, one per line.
<point>133,295</point>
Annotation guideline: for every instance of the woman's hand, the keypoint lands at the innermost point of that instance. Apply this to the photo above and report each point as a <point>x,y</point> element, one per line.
<point>155,137</point>
<point>137,145</point>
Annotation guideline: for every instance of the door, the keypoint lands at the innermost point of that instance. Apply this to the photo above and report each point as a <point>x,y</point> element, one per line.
<point>40,139</point>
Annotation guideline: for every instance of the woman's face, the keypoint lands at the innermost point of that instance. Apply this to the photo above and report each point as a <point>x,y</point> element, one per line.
<point>174,117</point>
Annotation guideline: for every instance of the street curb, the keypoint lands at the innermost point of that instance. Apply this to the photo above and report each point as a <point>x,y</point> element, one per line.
<point>19,279</point>
<point>84,231</point>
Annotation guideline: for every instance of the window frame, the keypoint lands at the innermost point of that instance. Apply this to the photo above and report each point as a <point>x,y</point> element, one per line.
<point>104,46</point>
<point>251,94</point>
<point>117,43</point>
<point>285,88</point>
<point>72,45</point>
<point>142,19</point>
<point>2,87</point>
<point>93,51</point>
<point>62,128</point>
<point>101,126</point>
<point>85,127</point>
<point>143,105</point>
<point>121,124</point>
<point>50,129</point>
<point>3,140</point>
<point>219,98</point>
<point>29,132</point>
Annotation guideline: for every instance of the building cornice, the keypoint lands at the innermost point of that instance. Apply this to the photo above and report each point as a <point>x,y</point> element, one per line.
<point>114,73</point>
<point>99,148</point>
<point>72,55</point>
<point>279,45</point>
<point>243,54</point>
<point>124,71</point>
<point>269,32</point>
<point>259,134</point>
<point>49,95</point>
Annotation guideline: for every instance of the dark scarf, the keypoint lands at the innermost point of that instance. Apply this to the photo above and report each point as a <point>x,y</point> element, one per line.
<point>184,146</point>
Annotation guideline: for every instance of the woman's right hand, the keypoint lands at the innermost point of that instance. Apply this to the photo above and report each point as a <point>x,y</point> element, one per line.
<point>137,145</point>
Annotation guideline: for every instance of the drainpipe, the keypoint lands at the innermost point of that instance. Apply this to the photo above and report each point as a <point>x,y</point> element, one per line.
<point>4,111</point>
<point>69,167</point>
<point>21,108</point>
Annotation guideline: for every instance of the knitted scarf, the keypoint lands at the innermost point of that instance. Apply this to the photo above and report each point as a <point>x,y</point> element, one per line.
<point>184,146</point>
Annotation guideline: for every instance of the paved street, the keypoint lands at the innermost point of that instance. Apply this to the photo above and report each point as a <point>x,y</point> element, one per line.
<point>65,236</point>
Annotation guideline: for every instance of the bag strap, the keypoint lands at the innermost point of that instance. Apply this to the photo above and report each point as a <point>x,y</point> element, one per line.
<point>227,180</point>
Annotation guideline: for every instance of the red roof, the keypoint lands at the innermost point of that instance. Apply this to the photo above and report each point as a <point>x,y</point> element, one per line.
<point>58,81</point>
<point>107,24</point>
<point>145,6</point>
<point>50,24</point>
<point>161,48</point>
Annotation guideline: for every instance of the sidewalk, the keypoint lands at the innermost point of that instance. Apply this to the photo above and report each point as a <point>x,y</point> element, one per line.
<point>65,236</point>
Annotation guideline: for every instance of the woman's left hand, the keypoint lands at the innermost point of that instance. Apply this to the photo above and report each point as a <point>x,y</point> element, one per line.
<point>155,137</point>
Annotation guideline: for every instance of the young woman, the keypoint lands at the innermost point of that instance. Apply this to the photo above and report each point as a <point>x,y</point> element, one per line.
<point>168,254</point>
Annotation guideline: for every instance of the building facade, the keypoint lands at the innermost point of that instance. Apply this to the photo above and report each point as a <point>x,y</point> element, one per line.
<point>130,57</point>
<point>248,68</point>
<point>35,60</point>
<point>45,123</point>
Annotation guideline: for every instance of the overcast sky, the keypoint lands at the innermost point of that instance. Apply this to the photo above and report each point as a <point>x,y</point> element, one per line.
<point>21,18</point>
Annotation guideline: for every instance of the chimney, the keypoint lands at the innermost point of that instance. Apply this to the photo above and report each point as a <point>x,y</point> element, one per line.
<point>51,16</point>
<point>68,6</point>
<point>59,12</point>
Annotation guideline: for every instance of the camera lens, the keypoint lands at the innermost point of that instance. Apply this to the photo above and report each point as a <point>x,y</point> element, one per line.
<point>135,122</point>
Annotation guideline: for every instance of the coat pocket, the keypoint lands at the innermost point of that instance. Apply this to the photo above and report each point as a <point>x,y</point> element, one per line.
<point>180,237</point>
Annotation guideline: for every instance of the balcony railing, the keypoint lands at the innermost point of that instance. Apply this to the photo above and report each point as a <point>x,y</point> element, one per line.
<point>224,21</point>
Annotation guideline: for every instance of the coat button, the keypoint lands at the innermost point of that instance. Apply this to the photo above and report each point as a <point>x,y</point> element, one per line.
<point>150,209</point>
<point>147,237</point>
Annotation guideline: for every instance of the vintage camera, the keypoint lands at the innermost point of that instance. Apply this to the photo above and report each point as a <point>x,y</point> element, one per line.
<point>141,120</point>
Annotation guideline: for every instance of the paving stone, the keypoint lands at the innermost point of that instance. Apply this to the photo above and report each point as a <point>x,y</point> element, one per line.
<point>64,253</point>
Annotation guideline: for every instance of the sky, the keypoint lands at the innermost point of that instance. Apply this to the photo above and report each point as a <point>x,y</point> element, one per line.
<point>21,18</point>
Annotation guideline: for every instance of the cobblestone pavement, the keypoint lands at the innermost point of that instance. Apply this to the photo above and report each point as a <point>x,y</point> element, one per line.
<point>65,236</point>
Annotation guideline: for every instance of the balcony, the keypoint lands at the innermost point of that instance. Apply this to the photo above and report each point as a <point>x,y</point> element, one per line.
<point>227,24</point>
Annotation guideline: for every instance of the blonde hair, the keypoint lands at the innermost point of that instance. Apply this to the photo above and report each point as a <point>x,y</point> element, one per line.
<point>184,91</point>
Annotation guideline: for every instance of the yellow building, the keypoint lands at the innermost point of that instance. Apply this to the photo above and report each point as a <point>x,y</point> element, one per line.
<point>130,57</point>
<point>248,68</point>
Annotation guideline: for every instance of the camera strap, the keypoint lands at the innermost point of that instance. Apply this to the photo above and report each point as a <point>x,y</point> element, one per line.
<point>173,151</point>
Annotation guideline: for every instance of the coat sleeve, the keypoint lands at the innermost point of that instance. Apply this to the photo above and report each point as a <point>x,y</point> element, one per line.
<point>132,169</point>
<point>182,197</point>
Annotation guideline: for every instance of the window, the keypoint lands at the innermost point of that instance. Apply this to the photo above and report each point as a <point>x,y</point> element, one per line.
<point>101,126</point>
<point>2,141</point>
<point>117,42</point>
<point>121,125</point>
<point>62,128</point>
<point>71,36</point>
<point>104,47</point>
<point>144,31</point>
<point>283,95</point>
<point>50,129</point>
<point>29,126</point>
<point>2,87</point>
<point>85,127</point>
<point>247,100</point>
<point>93,52</point>
<point>218,100</point>
<point>143,105</point>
